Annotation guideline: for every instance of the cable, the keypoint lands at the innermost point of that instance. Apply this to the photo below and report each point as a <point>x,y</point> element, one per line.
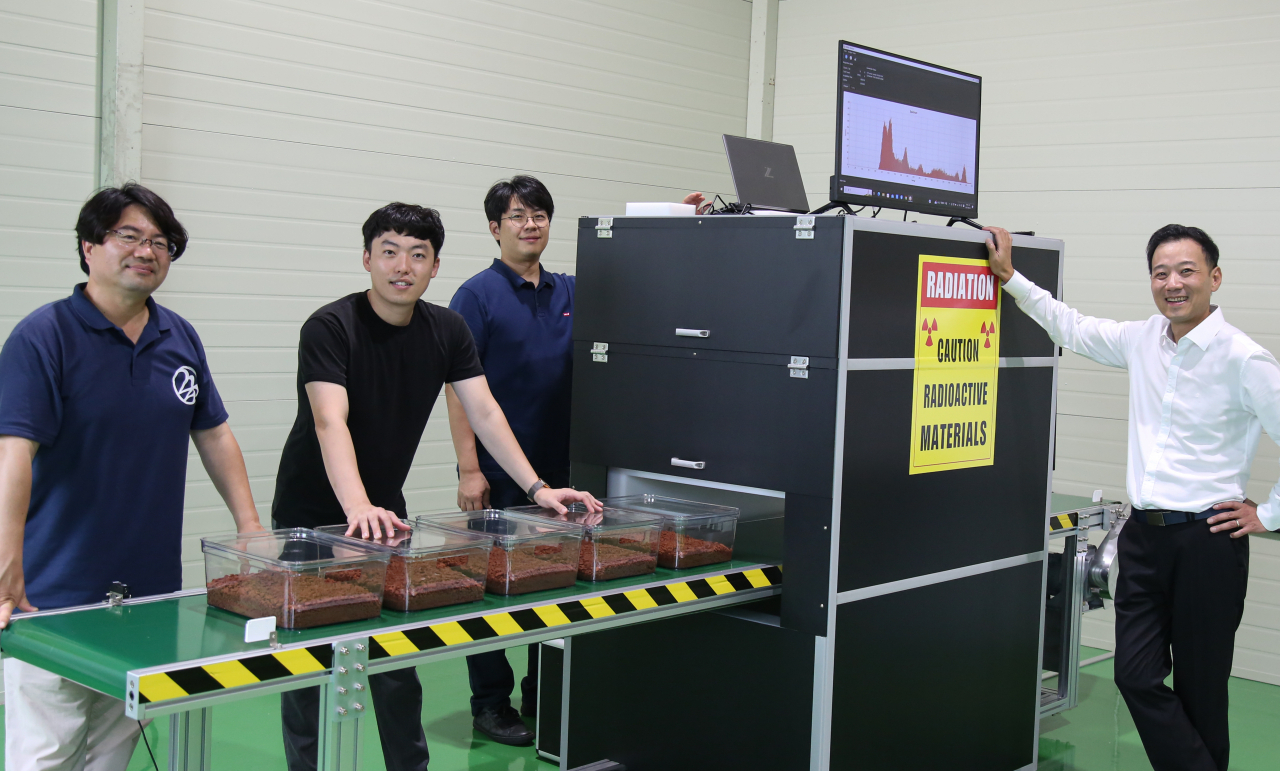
<point>904,215</point>
<point>731,208</point>
<point>143,731</point>
<point>875,213</point>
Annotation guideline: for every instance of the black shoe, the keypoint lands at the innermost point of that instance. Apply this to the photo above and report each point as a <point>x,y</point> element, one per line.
<point>503,725</point>
<point>529,708</point>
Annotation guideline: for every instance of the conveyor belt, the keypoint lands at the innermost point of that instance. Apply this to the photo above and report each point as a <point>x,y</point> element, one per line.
<point>180,652</point>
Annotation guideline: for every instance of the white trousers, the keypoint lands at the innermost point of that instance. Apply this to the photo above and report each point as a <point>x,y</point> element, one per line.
<point>53,724</point>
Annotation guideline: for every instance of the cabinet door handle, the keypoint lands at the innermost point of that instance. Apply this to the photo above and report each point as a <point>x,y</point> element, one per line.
<point>693,332</point>
<point>697,464</point>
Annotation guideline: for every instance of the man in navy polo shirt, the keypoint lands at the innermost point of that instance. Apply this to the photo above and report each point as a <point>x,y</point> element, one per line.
<point>521,317</point>
<point>99,393</point>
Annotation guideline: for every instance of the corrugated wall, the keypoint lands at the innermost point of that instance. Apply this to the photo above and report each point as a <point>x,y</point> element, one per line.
<point>48,133</point>
<point>1102,121</point>
<point>275,128</point>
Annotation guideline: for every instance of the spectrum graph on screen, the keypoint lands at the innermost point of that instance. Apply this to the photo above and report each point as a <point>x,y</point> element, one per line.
<point>894,142</point>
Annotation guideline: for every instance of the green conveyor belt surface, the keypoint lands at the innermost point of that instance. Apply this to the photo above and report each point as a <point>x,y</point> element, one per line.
<point>98,647</point>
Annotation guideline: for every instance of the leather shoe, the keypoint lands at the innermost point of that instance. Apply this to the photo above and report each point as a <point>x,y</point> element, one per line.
<point>503,725</point>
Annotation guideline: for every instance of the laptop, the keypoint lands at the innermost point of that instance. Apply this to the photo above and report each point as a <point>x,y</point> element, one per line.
<point>766,174</point>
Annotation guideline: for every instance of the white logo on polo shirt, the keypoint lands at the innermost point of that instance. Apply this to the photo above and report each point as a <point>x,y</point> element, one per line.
<point>184,384</point>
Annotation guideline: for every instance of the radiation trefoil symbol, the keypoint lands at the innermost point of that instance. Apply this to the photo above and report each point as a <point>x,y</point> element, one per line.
<point>988,331</point>
<point>929,330</point>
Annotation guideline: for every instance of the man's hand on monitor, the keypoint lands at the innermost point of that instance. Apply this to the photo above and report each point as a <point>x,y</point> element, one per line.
<point>1000,252</point>
<point>556,498</point>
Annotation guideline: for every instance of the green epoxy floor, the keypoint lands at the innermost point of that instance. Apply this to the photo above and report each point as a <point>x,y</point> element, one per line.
<point>1098,735</point>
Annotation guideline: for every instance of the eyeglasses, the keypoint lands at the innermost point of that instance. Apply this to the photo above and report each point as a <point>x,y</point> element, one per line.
<point>158,246</point>
<point>518,220</point>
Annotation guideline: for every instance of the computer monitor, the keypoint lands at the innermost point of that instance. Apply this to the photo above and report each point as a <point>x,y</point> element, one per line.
<point>766,174</point>
<point>906,134</point>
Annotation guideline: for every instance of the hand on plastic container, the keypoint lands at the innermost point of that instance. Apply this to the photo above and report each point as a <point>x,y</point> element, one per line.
<point>251,527</point>
<point>1238,517</point>
<point>369,520</point>
<point>555,499</point>
<point>473,491</point>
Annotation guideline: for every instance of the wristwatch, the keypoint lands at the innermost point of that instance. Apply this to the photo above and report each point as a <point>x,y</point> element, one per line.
<point>535,487</point>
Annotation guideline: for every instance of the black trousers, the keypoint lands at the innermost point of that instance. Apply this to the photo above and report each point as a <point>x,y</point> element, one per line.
<point>1179,599</point>
<point>490,674</point>
<point>397,700</point>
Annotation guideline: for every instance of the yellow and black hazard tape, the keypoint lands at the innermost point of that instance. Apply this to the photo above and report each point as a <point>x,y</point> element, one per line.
<point>233,674</point>
<point>1064,521</point>
<point>544,616</point>
<point>227,675</point>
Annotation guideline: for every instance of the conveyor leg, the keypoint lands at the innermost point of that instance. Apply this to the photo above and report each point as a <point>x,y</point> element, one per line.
<point>339,740</point>
<point>191,740</point>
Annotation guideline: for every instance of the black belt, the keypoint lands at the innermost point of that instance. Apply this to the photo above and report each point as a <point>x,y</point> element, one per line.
<point>1162,517</point>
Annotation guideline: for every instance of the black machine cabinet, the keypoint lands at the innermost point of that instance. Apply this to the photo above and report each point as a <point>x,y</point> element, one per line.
<point>774,356</point>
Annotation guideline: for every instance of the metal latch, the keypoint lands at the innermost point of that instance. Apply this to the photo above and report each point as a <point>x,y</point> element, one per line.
<point>604,227</point>
<point>118,594</point>
<point>799,365</point>
<point>600,352</point>
<point>804,227</point>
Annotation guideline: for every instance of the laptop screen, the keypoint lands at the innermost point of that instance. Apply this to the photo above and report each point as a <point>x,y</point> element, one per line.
<point>766,174</point>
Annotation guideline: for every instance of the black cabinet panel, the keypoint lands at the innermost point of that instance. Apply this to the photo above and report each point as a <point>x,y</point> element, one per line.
<point>941,677</point>
<point>751,424</point>
<point>894,525</point>
<point>706,692</point>
<point>807,560</point>
<point>883,294</point>
<point>748,281</point>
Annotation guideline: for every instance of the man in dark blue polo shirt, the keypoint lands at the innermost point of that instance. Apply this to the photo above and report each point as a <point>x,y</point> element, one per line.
<point>521,317</point>
<point>99,394</point>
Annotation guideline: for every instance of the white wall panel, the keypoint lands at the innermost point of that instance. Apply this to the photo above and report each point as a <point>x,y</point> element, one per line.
<point>1102,121</point>
<point>48,132</point>
<point>274,127</point>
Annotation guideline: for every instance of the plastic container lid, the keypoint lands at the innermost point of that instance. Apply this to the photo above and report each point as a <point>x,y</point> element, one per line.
<point>304,548</point>
<point>506,529</point>
<point>610,519</point>
<point>673,508</point>
<point>424,538</point>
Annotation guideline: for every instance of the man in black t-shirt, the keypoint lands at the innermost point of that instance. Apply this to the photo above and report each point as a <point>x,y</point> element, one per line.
<point>370,367</point>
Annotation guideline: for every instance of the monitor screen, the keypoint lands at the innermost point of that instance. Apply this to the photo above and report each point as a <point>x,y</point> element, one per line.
<point>906,134</point>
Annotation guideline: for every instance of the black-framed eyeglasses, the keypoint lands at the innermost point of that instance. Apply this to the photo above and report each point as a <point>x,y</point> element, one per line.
<point>518,220</point>
<point>158,246</point>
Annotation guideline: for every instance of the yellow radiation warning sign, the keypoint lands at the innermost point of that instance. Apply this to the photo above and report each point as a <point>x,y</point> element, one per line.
<point>953,418</point>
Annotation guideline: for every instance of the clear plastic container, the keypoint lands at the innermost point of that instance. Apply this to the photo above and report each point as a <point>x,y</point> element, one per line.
<point>693,534</point>
<point>616,543</point>
<point>529,554</point>
<point>303,578</point>
<point>430,567</point>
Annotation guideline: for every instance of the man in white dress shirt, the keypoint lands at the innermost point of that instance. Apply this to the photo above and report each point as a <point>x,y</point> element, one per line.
<point>1200,392</point>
